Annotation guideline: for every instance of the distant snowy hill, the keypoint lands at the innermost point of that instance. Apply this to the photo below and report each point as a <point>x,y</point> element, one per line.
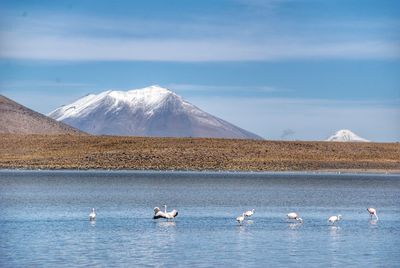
<point>346,135</point>
<point>151,111</point>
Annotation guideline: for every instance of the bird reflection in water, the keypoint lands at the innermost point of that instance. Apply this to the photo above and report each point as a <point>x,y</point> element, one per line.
<point>166,224</point>
<point>373,222</point>
<point>334,230</point>
<point>241,229</point>
<point>294,226</point>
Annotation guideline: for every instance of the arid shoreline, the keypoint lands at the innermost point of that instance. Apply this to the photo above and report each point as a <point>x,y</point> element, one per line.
<point>138,153</point>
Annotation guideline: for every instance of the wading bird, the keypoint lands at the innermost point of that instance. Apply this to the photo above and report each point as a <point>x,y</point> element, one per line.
<point>372,212</point>
<point>334,219</point>
<point>249,213</point>
<point>240,219</point>
<point>92,215</point>
<point>294,216</point>
<point>164,214</point>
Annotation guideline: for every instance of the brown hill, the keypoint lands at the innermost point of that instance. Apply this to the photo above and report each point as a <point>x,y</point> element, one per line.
<point>108,152</point>
<point>18,119</point>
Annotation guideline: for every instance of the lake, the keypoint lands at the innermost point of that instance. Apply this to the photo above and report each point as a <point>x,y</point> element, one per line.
<point>44,219</point>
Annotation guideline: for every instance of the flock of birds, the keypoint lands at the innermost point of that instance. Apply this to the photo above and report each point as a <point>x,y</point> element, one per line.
<point>296,217</point>
<point>158,213</point>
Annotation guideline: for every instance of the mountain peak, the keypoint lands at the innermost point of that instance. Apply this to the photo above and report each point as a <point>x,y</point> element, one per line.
<point>148,95</point>
<point>346,135</point>
<point>149,111</point>
<point>154,89</point>
<point>157,88</point>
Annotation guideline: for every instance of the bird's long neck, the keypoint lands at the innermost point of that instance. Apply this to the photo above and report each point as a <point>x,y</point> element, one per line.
<point>376,216</point>
<point>165,208</point>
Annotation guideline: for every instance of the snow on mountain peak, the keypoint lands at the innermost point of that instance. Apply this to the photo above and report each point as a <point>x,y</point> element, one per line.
<point>149,111</point>
<point>147,97</point>
<point>150,95</point>
<point>345,135</point>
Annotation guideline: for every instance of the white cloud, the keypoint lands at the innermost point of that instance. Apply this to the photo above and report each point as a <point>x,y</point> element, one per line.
<point>41,84</point>
<point>218,89</point>
<point>132,49</point>
<point>50,36</point>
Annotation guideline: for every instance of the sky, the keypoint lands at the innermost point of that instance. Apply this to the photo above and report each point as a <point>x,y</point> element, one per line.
<point>283,69</point>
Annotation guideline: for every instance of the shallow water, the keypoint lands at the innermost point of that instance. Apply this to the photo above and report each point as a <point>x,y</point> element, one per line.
<point>43,219</point>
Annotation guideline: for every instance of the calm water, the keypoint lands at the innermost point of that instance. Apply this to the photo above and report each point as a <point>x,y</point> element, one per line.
<point>43,219</point>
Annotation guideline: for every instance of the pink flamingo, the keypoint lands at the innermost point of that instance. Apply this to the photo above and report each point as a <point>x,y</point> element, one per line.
<point>372,212</point>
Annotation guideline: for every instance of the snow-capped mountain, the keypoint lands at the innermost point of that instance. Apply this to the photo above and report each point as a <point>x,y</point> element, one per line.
<point>346,135</point>
<point>151,111</point>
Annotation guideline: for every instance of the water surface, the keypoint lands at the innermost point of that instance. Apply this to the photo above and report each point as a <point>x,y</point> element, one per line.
<point>44,223</point>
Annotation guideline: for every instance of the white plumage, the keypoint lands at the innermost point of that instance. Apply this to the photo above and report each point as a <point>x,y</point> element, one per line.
<point>164,214</point>
<point>240,219</point>
<point>92,215</point>
<point>294,216</point>
<point>249,213</point>
<point>372,212</point>
<point>334,219</point>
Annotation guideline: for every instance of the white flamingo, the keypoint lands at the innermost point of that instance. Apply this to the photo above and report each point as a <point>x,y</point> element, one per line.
<point>249,213</point>
<point>92,215</point>
<point>240,219</point>
<point>334,219</point>
<point>294,216</point>
<point>166,215</point>
<point>372,212</point>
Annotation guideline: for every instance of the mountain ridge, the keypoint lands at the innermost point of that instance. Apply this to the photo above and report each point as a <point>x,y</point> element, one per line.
<point>18,119</point>
<point>151,111</point>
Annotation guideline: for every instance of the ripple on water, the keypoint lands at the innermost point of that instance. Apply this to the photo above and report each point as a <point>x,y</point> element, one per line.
<point>43,219</point>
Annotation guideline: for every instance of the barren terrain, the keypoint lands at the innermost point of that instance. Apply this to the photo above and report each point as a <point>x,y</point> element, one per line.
<point>107,152</point>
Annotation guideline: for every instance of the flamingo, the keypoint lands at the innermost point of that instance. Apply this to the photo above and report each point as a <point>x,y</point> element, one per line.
<point>334,219</point>
<point>372,212</point>
<point>92,215</point>
<point>240,219</point>
<point>294,216</point>
<point>166,215</point>
<point>249,213</point>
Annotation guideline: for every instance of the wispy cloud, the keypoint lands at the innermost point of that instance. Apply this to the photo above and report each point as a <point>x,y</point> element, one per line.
<point>199,39</point>
<point>128,49</point>
<point>223,88</point>
<point>26,84</point>
<point>262,5</point>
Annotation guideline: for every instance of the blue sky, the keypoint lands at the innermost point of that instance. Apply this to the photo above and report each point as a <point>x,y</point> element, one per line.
<point>308,66</point>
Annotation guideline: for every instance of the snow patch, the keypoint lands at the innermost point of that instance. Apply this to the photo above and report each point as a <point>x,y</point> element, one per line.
<point>345,135</point>
<point>149,111</point>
